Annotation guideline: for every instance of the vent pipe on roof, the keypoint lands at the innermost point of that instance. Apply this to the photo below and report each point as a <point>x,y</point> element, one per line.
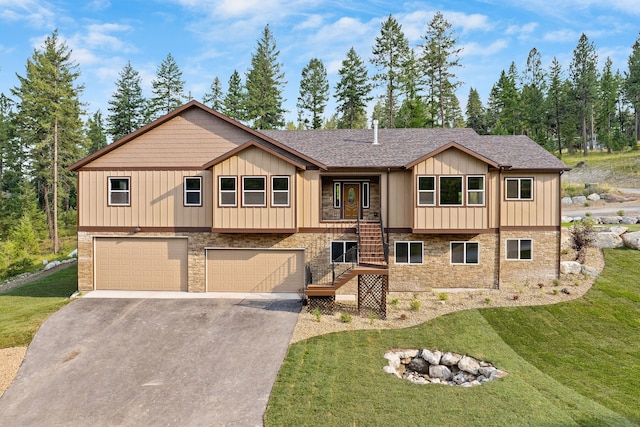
<point>375,132</point>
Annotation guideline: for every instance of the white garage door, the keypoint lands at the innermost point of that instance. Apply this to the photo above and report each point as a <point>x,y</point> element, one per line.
<point>142,264</point>
<point>255,270</point>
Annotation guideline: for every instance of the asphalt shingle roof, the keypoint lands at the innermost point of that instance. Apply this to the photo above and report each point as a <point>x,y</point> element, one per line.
<point>399,147</point>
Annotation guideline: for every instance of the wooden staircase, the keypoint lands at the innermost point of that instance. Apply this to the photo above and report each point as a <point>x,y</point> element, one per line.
<point>371,260</point>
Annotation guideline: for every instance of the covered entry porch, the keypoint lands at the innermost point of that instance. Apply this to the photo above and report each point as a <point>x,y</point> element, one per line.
<point>350,197</point>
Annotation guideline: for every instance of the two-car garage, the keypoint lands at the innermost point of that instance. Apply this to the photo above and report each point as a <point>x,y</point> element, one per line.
<point>162,264</point>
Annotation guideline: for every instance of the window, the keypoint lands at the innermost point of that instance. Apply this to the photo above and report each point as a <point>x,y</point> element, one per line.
<point>426,191</point>
<point>336,194</point>
<point>519,188</point>
<point>119,192</point>
<point>475,190</point>
<point>451,190</point>
<point>279,191</point>
<point>254,191</point>
<point>365,195</point>
<point>519,249</point>
<point>343,251</point>
<point>227,190</point>
<point>465,253</point>
<point>193,191</point>
<point>409,252</point>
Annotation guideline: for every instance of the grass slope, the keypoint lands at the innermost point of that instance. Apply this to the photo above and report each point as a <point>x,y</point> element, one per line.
<point>337,379</point>
<point>23,309</point>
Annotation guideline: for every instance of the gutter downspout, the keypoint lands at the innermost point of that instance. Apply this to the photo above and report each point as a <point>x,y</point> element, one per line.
<point>388,225</point>
<point>500,169</point>
<point>559,239</point>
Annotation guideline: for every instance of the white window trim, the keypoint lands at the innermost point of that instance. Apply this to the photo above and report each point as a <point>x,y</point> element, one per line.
<point>408,242</point>
<point>245,191</point>
<point>519,180</point>
<point>464,254</point>
<point>234,191</point>
<point>469,191</point>
<point>337,191</point>
<point>440,190</point>
<point>186,191</point>
<point>427,191</point>
<point>287,191</point>
<point>111,191</point>
<point>519,240</point>
<point>344,250</point>
<point>365,196</point>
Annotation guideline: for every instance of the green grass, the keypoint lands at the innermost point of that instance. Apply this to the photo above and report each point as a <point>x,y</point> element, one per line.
<point>575,363</point>
<point>625,165</point>
<point>24,308</point>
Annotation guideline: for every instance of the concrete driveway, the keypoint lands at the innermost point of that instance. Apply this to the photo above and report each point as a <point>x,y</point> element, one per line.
<point>189,362</point>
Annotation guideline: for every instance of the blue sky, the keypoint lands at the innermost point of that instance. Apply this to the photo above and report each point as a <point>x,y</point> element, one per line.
<point>214,38</point>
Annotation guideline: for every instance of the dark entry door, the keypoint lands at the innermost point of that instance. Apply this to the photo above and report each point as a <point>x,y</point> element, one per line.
<point>351,201</point>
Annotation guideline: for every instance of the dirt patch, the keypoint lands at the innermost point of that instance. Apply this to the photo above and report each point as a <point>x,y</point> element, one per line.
<point>434,303</point>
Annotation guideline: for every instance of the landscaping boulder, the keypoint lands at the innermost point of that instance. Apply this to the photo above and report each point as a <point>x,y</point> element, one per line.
<point>419,365</point>
<point>566,218</point>
<point>632,240</point>
<point>440,371</point>
<point>610,219</point>
<point>393,358</point>
<point>391,370</point>
<point>570,267</point>
<point>450,359</point>
<point>73,254</point>
<point>566,201</point>
<point>590,271</point>
<point>607,239</point>
<point>469,364</point>
<point>628,220</point>
<point>579,200</point>
<point>594,197</point>
<point>51,265</point>
<point>432,357</point>
<point>486,371</point>
<point>619,230</point>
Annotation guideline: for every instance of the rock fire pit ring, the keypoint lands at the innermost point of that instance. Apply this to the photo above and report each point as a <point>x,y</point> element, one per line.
<point>435,367</point>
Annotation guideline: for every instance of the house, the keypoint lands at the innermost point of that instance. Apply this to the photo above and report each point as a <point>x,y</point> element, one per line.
<point>197,202</point>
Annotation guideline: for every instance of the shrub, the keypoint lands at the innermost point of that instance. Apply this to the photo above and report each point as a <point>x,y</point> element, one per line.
<point>487,301</point>
<point>442,296</point>
<point>557,282</point>
<point>395,302</point>
<point>317,313</point>
<point>372,317</point>
<point>620,212</point>
<point>581,238</point>
<point>415,305</point>
<point>345,318</point>
<point>18,267</point>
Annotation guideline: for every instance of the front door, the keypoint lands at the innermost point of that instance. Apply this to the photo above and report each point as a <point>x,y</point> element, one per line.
<point>351,201</point>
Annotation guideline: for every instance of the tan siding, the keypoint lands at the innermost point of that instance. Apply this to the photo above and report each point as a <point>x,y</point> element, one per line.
<point>451,162</point>
<point>255,162</point>
<point>191,139</point>
<point>542,211</point>
<point>309,195</point>
<point>401,199</point>
<point>156,200</point>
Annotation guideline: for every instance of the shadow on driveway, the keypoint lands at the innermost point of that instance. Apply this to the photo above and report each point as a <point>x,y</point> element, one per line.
<point>152,362</point>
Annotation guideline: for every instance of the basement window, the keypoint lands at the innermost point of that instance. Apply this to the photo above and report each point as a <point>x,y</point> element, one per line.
<point>465,253</point>
<point>344,251</point>
<point>519,249</point>
<point>409,252</point>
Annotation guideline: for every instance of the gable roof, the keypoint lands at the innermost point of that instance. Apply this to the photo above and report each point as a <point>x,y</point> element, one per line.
<point>403,148</point>
<point>250,144</point>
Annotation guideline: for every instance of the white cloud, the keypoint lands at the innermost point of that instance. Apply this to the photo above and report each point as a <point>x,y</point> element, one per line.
<point>476,49</point>
<point>38,14</point>
<point>563,35</point>
<point>525,29</point>
<point>313,21</point>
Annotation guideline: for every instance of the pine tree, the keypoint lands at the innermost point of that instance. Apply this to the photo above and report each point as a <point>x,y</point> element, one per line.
<point>50,126</point>
<point>390,53</point>
<point>440,57</point>
<point>167,88</point>
<point>412,112</point>
<point>504,103</point>
<point>234,102</point>
<point>584,76</point>
<point>608,93</point>
<point>632,85</point>
<point>214,98</point>
<point>96,136</point>
<point>555,101</point>
<point>476,112</point>
<point>352,92</point>
<point>533,102</point>
<point>314,94</point>
<point>12,161</point>
<point>264,84</point>
<point>127,104</point>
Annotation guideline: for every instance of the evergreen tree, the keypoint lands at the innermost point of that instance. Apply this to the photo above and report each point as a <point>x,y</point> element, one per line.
<point>167,88</point>
<point>584,76</point>
<point>127,105</point>
<point>390,53</point>
<point>50,126</point>
<point>214,97</point>
<point>234,102</point>
<point>314,93</point>
<point>533,102</point>
<point>632,85</point>
<point>96,136</point>
<point>12,161</point>
<point>265,83</point>
<point>412,112</point>
<point>440,57</point>
<point>607,103</point>
<point>352,92</point>
<point>476,112</point>
<point>504,103</point>
<point>556,101</point>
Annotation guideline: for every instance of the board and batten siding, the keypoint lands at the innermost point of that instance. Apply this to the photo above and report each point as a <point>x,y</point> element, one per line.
<point>451,162</point>
<point>157,200</point>
<point>400,199</point>
<point>254,162</point>
<point>309,191</point>
<point>542,211</point>
<point>191,139</point>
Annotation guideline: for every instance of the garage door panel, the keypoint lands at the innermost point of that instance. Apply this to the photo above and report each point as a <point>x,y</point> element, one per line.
<point>133,263</point>
<point>255,270</point>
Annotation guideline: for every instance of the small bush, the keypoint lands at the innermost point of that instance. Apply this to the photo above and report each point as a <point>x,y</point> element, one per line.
<point>317,313</point>
<point>556,282</point>
<point>487,301</point>
<point>395,302</point>
<point>23,265</point>
<point>415,305</point>
<point>587,214</point>
<point>442,296</point>
<point>556,292</point>
<point>581,238</point>
<point>345,318</point>
<point>620,212</point>
<point>372,318</point>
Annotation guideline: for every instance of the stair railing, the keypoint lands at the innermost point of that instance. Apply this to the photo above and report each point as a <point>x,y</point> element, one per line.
<point>343,263</point>
<point>385,243</point>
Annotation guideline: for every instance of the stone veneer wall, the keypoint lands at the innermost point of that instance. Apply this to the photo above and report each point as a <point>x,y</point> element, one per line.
<point>329,213</point>
<point>545,262</point>
<point>436,271</point>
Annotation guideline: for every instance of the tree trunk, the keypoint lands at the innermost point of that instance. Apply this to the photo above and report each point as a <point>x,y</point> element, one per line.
<point>56,243</point>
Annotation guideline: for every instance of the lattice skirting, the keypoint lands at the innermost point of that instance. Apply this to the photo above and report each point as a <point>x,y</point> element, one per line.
<point>326,305</point>
<point>372,294</point>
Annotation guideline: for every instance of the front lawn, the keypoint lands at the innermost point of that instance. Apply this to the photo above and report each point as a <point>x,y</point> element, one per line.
<point>574,363</point>
<point>24,308</point>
